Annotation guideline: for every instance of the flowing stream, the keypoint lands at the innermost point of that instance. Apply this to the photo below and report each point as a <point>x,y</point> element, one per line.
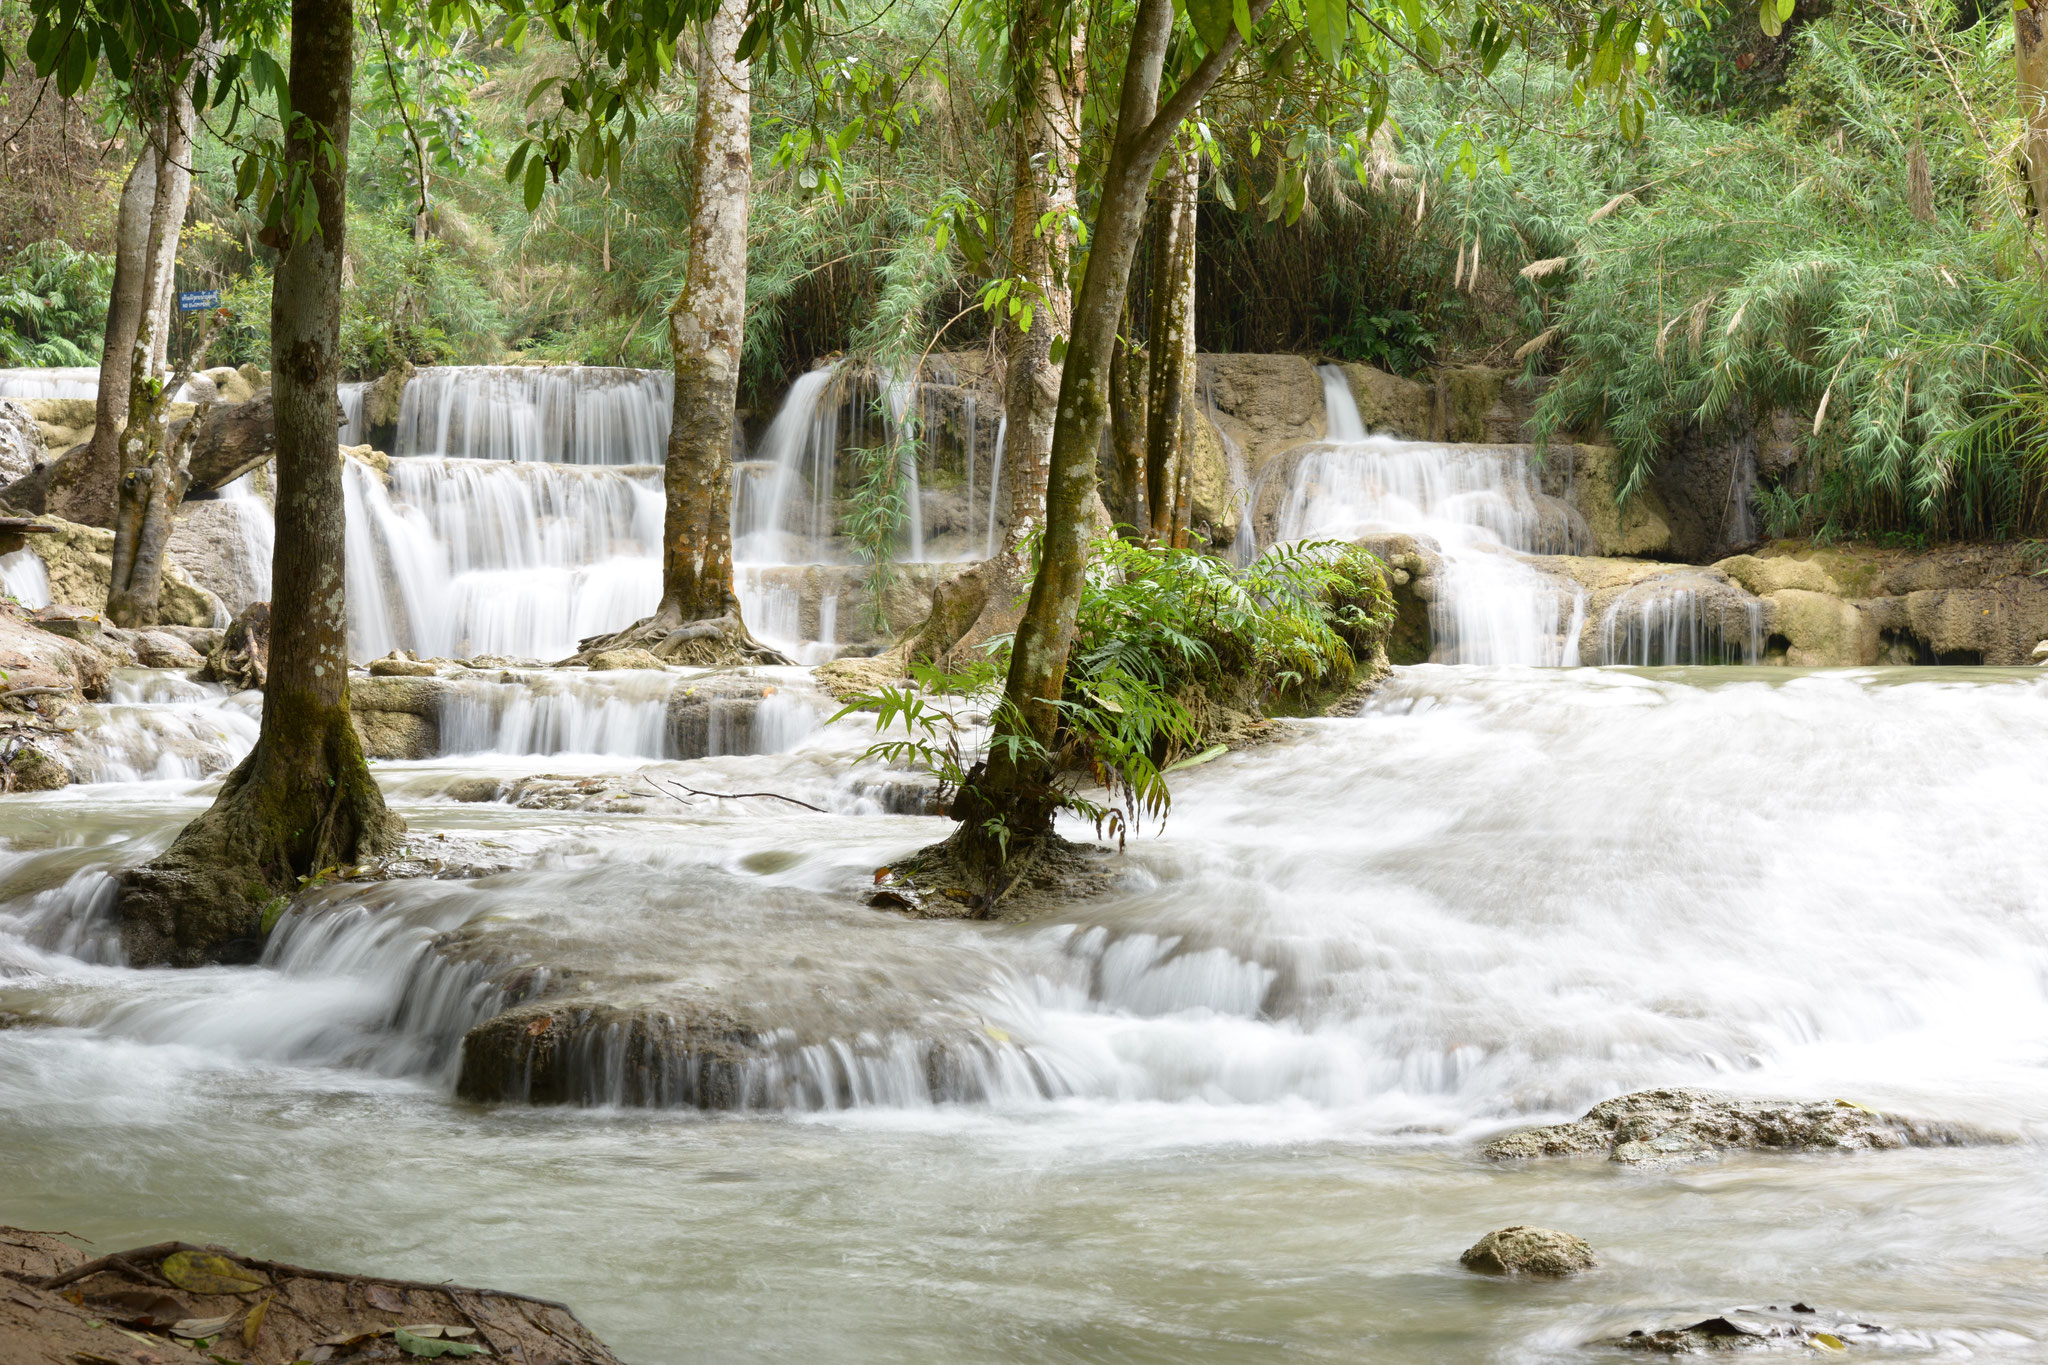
<point>1229,1107</point>
<point>1227,1110</point>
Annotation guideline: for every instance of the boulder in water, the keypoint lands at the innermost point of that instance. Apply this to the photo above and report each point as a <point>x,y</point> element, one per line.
<point>398,664</point>
<point>29,769</point>
<point>1801,1329</point>
<point>1670,1127</point>
<point>607,660</point>
<point>1522,1250</point>
<point>159,649</point>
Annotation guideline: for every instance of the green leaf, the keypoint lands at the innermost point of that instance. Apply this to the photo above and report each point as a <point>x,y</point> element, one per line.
<point>1328,27</point>
<point>1212,21</point>
<point>1208,755</point>
<point>536,182</point>
<point>428,1347</point>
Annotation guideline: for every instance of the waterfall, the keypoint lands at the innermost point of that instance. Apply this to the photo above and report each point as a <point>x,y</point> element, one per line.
<point>1682,618</point>
<point>569,414</point>
<point>50,381</point>
<point>627,713</point>
<point>23,578</point>
<point>783,507</point>
<point>465,558</point>
<point>353,429</point>
<point>1340,408</point>
<point>1481,506</point>
<point>255,542</point>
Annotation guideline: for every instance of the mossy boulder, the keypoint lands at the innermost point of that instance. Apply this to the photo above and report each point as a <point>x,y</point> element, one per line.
<point>1521,1250</point>
<point>1390,404</point>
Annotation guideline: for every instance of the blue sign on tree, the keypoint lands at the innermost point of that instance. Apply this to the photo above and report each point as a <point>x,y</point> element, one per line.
<point>198,300</point>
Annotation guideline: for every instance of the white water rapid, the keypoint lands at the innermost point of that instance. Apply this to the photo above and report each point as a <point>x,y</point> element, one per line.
<point>569,414</point>
<point>1224,1111</point>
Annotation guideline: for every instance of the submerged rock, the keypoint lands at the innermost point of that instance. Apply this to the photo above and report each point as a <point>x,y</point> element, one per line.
<point>185,1303</point>
<point>1801,1329</point>
<point>1523,1250</point>
<point>610,659</point>
<point>1669,1127</point>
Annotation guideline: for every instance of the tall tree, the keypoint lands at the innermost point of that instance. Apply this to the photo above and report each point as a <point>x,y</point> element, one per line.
<point>707,326</point>
<point>1170,387</point>
<point>2030,59</point>
<point>303,799</point>
<point>154,473</point>
<point>83,489</point>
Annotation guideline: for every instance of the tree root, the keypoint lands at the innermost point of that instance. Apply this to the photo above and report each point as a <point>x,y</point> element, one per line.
<point>721,642</point>
<point>952,880</point>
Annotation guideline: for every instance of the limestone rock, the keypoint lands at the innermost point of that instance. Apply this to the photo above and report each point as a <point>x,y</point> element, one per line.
<point>79,561</point>
<point>1266,402</point>
<point>230,385</point>
<point>414,696</point>
<point>1669,1127</point>
<point>21,441</point>
<point>1764,576</point>
<point>1390,404</point>
<point>30,769</point>
<point>1523,1250</point>
<point>1210,503</point>
<point>211,542</point>
<point>400,665</point>
<point>1476,403</point>
<point>396,735</point>
<point>34,658</point>
<point>158,649</point>
<point>382,401</point>
<point>1801,1330</point>
<point>1822,631</point>
<point>610,659</point>
<point>1641,527</point>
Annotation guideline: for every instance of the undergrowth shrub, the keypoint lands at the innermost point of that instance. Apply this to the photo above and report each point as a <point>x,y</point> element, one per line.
<point>1173,649</point>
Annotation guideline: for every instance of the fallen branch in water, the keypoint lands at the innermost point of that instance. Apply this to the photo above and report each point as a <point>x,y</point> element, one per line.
<point>731,796</point>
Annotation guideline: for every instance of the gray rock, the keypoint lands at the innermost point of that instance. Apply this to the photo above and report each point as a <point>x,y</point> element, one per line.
<point>1523,1250</point>
<point>21,441</point>
<point>158,649</point>
<point>1754,1330</point>
<point>610,659</point>
<point>1669,1127</point>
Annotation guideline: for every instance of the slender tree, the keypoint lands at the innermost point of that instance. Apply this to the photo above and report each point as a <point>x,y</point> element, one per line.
<point>303,800</point>
<point>83,489</point>
<point>2030,60</point>
<point>1170,387</point>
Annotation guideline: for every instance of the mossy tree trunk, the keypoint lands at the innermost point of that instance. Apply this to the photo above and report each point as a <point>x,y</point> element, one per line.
<point>707,326</point>
<point>154,472</point>
<point>83,490</point>
<point>2030,57</point>
<point>303,802</point>
<point>1170,385</point>
<point>1008,804</point>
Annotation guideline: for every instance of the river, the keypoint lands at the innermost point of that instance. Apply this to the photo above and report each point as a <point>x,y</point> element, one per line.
<point>1259,1067</point>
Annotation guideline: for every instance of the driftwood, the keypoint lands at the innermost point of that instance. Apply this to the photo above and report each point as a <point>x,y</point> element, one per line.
<point>232,440</point>
<point>188,1304</point>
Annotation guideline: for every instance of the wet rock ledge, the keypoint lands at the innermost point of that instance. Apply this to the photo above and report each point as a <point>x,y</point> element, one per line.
<point>178,1304</point>
<point>1668,1127</point>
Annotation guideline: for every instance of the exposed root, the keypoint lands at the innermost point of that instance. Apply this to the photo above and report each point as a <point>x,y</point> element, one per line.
<point>950,880</point>
<point>721,642</point>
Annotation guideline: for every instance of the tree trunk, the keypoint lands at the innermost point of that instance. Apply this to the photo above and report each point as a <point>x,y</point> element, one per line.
<point>303,803</point>
<point>2030,57</point>
<point>1127,426</point>
<point>1044,146</point>
<point>1170,387</point>
<point>230,441</point>
<point>83,489</point>
<point>1008,802</point>
<point>707,326</point>
<point>153,470</point>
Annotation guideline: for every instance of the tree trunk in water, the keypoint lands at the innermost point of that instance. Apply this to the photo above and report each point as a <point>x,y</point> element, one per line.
<point>303,802</point>
<point>1008,802</point>
<point>1170,387</point>
<point>83,490</point>
<point>1045,144</point>
<point>153,471</point>
<point>2030,57</point>
<point>707,326</point>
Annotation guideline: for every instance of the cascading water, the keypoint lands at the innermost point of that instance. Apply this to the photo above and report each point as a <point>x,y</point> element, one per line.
<point>354,409</point>
<point>570,414</point>
<point>24,578</point>
<point>467,558</point>
<point>53,381</point>
<point>1678,619</point>
<point>1480,505</point>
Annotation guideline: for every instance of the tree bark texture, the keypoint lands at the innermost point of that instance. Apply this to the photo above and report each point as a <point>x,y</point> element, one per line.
<point>83,490</point>
<point>2030,57</point>
<point>1127,426</point>
<point>1170,387</point>
<point>1017,795</point>
<point>153,470</point>
<point>707,327</point>
<point>1046,78</point>
<point>303,803</point>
